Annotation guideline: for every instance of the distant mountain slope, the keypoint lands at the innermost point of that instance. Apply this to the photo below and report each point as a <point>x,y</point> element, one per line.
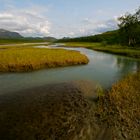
<point>50,38</point>
<point>47,39</point>
<point>108,37</point>
<point>5,34</point>
<point>14,37</point>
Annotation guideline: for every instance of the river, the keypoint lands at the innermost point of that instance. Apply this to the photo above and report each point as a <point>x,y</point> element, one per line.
<point>103,69</point>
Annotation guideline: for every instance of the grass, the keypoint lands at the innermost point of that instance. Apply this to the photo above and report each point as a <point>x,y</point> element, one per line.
<point>120,108</point>
<point>16,59</point>
<point>22,40</point>
<point>114,49</point>
<point>21,45</point>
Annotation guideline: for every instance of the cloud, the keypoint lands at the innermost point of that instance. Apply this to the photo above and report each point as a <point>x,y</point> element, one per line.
<point>106,26</point>
<point>91,27</point>
<point>32,21</point>
<point>28,22</point>
<point>84,28</point>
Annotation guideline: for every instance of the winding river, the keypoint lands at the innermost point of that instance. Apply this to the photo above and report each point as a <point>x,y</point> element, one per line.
<point>103,68</point>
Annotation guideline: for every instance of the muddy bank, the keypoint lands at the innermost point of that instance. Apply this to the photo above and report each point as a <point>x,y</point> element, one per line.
<point>51,112</point>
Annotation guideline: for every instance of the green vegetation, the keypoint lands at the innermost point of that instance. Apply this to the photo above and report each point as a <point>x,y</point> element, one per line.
<point>8,37</point>
<point>21,40</point>
<point>15,41</point>
<point>120,108</point>
<point>26,40</point>
<point>114,49</point>
<point>128,33</point>
<point>111,37</point>
<point>124,41</point>
<point>21,45</point>
<point>82,44</point>
<point>28,59</point>
<point>130,29</point>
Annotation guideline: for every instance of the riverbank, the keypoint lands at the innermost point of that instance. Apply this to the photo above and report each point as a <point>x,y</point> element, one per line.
<point>114,49</point>
<point>120,108</point>
<point>66,111</point>
<point>55,111</point>
<point>20,59</point>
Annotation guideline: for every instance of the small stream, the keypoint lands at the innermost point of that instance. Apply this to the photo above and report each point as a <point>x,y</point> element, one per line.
<point>103,68</point>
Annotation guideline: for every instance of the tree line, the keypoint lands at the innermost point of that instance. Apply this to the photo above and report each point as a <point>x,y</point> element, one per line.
<point>127,34</point>
<point>129,28</point>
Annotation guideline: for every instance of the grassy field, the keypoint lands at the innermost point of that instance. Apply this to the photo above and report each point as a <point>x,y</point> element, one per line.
<point>120,108</point>
<point>114,49</point>
<point>27,59</point>
<point>23,40</point>
<point>20,45</point>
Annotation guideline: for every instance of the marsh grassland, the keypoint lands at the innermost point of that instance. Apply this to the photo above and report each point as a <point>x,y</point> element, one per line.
<point>114,49</point>
<point>16,59</point>
<point>120,108</point>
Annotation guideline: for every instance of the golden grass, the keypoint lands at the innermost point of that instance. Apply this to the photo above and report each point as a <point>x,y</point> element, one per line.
<point>120,108</point>
<point>28,59</point>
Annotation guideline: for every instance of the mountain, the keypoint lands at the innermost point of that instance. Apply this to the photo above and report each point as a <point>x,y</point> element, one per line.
<point>51,39</point>
<point>14,36</point>
<point>5,34</point>
<point>43,39</point>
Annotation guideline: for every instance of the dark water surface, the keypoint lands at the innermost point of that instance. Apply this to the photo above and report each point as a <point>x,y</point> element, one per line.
<point>104,69</point>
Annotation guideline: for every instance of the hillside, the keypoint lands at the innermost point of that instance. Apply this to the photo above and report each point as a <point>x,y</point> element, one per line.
<point>110,37</point>
<point>5,34</point>
<point>7,37</point>
<point>128,33</point>
<point>49,38</point>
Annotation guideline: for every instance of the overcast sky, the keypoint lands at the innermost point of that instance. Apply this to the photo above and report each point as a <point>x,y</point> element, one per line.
<point>63,18</point>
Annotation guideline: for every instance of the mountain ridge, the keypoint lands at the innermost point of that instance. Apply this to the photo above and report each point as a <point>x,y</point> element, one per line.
<point>5,34</point>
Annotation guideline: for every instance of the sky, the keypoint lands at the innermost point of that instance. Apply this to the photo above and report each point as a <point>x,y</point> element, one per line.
<point>63,18</point>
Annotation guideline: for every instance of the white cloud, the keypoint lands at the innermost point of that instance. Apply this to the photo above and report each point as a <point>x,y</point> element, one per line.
<point>86,27</point>
<point>92,27</point>
<point>32,21</point>
<point>28,22</point>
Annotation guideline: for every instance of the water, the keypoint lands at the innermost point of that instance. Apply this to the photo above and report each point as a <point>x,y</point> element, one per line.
<point>104,69</point>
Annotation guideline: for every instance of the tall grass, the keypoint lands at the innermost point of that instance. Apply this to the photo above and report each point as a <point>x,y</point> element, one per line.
<point>28,59</point>
<point>120,108</point>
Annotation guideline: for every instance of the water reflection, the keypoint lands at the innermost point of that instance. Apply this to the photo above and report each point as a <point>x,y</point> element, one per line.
<point>138,67</point>
<point>103,68</point>
<point>126,64</point>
